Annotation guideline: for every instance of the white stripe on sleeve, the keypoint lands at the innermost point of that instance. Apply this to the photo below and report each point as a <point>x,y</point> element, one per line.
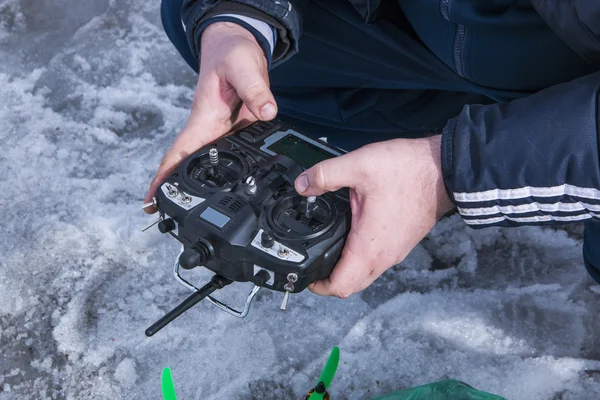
<point>528,191</point>
<point>531,207</point>
<point>534,219</point>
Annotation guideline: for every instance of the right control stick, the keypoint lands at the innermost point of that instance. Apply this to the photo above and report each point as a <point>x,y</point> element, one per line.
<point>310,204</point>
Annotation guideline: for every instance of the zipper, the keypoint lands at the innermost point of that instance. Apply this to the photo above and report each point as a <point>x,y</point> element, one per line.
<point>459,39</point>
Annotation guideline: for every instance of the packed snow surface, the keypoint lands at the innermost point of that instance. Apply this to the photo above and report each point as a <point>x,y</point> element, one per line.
<point>91,96</point>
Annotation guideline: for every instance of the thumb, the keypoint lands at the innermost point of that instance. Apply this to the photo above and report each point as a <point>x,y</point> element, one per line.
<point>252,86</point>
<point>328,176</point>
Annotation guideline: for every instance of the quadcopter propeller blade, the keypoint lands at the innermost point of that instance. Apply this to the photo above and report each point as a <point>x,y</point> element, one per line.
<point>168,387</point>
<point>326,375</point>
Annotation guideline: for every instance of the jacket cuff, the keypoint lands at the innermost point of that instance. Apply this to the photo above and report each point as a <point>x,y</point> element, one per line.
<point>266,31</point>
<point>261,39</point>
<point>280,15</point>
<point>446,157</point>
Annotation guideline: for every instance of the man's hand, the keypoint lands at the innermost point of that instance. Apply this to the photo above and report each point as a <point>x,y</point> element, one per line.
<point>232,92</point>
<point>397,195</point>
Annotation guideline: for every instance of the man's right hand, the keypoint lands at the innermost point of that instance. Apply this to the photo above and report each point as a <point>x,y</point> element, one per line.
<point>232,92</point>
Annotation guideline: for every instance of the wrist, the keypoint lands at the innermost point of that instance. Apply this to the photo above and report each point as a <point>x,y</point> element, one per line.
<point>218,31</point>
<point>222,37</point>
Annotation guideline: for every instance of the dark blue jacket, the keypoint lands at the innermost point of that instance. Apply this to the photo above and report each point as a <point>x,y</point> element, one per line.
<point>529,160</point>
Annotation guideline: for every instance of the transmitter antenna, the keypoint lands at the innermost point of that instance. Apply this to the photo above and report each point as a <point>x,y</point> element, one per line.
<point>217,282</point>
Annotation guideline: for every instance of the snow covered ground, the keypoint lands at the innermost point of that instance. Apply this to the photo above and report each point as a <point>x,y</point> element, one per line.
<point>91,95</point>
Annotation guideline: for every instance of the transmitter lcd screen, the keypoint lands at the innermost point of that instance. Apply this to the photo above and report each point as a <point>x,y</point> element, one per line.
<point>214,217</point>
<point>304,153</point>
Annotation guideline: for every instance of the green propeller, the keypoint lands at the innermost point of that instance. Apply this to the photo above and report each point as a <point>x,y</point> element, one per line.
<point>318,393</point>
<point>326,375</point>
<point>168,387</point>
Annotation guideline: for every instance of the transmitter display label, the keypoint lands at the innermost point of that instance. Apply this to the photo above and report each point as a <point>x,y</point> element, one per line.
<point>215,217</point>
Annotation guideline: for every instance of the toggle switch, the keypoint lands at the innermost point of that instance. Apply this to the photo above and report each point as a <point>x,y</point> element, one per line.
<point>267,241</point>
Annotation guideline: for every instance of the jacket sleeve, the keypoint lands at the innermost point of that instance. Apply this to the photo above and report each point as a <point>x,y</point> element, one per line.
<point>530,161</point>
<point>285,16</point>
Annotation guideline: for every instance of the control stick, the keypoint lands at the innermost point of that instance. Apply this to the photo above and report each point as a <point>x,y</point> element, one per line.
<point>213,155</point>
<point>310,204</point>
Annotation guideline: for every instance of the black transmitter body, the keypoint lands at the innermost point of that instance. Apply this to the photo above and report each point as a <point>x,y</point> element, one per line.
<point>233,207</point>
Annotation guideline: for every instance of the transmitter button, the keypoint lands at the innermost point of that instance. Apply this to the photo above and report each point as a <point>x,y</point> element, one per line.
<point>259,131</point>
<point>167,225</point>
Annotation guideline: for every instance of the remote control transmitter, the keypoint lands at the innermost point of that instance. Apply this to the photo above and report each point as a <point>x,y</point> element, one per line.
<point>233,208</point>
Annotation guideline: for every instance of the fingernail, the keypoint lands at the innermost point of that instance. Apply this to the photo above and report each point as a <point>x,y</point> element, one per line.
<point>268,111</point>
<point>302,183</point>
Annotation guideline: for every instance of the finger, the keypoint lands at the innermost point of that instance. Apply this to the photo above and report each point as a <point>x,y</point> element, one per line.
<point>364,258</point>
<point>329,176</point>
<point>252,87</point>
<point>357,261</point>
<point>349,274</point>
<point>192,138</point>
<point>170,161</point>
<point>208,120</point>
<point>242,119</point>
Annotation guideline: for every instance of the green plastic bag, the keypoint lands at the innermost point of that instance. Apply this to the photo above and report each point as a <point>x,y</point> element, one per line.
<point>444,390</point>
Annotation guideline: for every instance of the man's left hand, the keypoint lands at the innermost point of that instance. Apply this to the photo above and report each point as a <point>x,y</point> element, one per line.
<point>397,195</point>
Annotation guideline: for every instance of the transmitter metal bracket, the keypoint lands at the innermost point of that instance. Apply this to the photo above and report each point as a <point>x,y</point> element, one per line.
<point>213,301</point>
